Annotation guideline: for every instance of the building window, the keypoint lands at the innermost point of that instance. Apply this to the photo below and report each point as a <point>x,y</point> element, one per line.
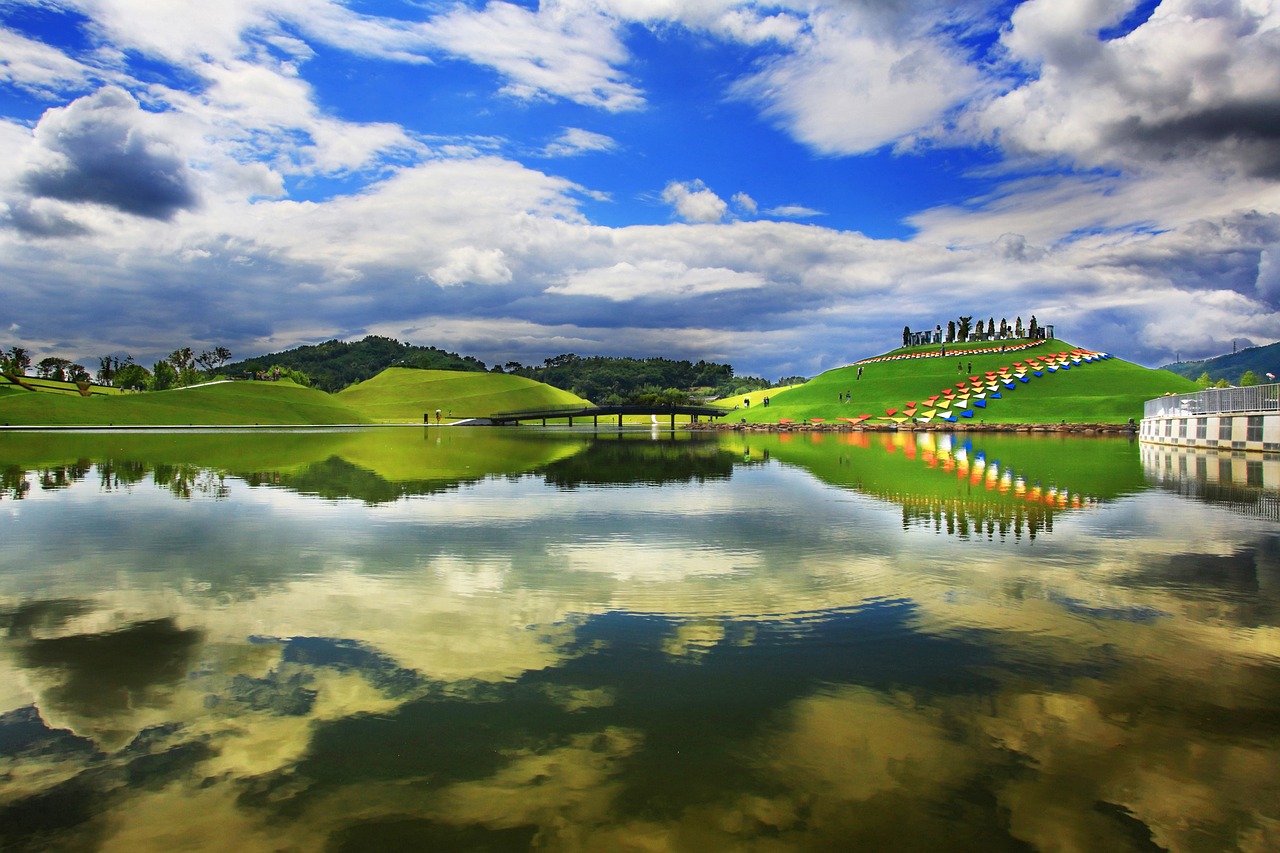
<point>1182,428</point>
<point>1224,429</point>
<point>1255,428</point>
<point>1202,428</point>
<point>1168,428</point>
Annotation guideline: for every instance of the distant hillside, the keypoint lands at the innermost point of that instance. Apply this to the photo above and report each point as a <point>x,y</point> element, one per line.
<point>333,365</point>
<point>1261,360</point>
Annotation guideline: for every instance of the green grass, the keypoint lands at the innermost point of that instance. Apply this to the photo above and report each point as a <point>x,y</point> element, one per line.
<point>228,403</point>
<point>1109,391</point>
<point>404,395</point>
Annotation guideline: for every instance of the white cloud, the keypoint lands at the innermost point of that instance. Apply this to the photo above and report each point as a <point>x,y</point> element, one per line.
<point>745,204</point>
<point>693,202</point>
<point>39,68</point>
<point>555,51</point>
<point>625,281</point>
<point>793,211</point>
<point>1197,81</point>
<point>468,264</point>
<point>850,86</point>
<point>575,140</point>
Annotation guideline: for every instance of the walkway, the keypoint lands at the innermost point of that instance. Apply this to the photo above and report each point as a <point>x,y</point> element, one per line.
<point>597,412</point>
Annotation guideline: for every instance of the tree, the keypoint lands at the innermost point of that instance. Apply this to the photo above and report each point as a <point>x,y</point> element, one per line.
<point>1017,328</point>
<point>991,326</point>
<point>1222,383</point>
<point>107,367</point>
<point>52,367</point>
<point>132,376</point>
<point>966,323</point>
<point>1248,378</point>
<point>906,335</point>
<point>163,375</point>
<point>951,330</point>
<point>1205,381</point>
<point>77,373</point>
<point>1033,328</point>
<point>211,360</point>
<point>17,362</point>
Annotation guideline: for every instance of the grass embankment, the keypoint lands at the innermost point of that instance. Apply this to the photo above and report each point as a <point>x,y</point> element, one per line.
<point>70,389</point>
<point>221,404</point>
<point>404,395</point>
<point>1106,391</point>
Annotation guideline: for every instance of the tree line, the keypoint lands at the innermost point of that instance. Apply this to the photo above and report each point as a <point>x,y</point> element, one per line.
<point>610,380</point>
<point>960,329</point>
<point>334,365</point>
<point>182,367</point>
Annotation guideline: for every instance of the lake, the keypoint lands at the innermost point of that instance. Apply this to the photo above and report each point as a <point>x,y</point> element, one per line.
<point>511,639</point>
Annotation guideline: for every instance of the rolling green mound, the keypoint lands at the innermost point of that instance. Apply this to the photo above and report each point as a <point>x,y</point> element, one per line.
<point>404,395</point>
<point>224,403</point>
<point>1102,391</point>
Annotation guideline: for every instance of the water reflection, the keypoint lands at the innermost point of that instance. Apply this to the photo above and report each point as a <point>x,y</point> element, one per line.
<point>378,641</point>
<point>1248,483</point>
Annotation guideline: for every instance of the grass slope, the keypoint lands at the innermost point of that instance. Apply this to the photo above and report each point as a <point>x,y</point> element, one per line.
<point>404,395</point>
<point>1110,391</point>
<point>227,403</point>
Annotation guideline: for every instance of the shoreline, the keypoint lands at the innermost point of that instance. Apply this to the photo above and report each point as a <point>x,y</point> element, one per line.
<point>1128,429</point>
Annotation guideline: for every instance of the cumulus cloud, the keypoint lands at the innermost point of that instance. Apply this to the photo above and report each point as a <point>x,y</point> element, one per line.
<point>851,85</point>
<point>1196,81</point>
<point>745,204</point>
<point>103,149</point>
<point>474,265</point>
<point>693,202</point>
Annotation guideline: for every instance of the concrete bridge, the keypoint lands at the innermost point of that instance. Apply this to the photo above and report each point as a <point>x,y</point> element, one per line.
<point>598,412</point>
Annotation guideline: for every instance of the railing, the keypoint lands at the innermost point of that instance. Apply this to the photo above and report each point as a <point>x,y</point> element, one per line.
<point>1255,398</point>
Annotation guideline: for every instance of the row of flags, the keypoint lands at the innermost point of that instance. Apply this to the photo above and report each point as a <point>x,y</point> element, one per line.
<point>959,353</point>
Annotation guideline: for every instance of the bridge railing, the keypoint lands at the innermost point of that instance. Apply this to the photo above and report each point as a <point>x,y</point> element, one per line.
<point>1255,398</point>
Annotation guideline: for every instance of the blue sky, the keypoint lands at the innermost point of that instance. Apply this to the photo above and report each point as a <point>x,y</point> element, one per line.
<point>782,186</point>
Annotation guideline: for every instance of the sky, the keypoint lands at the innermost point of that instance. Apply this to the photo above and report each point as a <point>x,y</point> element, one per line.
<point>780,186</point>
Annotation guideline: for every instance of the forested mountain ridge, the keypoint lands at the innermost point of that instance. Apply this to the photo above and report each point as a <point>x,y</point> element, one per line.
<point>1231,366</point>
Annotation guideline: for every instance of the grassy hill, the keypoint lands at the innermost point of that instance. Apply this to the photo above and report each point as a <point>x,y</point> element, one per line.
<point>226,403</point>
<point>1261,360</point>
<point>404,395</point>
<point>1107,391</point>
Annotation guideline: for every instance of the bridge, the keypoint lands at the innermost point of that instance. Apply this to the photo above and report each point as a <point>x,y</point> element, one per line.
<point>598,412</point>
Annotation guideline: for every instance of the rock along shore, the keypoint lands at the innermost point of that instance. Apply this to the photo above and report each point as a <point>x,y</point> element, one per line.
<point>1123,430</point>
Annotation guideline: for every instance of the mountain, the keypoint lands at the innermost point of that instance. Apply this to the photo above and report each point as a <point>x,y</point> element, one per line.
<point>1261,360</point>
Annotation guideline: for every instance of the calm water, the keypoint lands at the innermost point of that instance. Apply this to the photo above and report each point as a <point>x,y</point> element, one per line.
<point>511,639</point>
